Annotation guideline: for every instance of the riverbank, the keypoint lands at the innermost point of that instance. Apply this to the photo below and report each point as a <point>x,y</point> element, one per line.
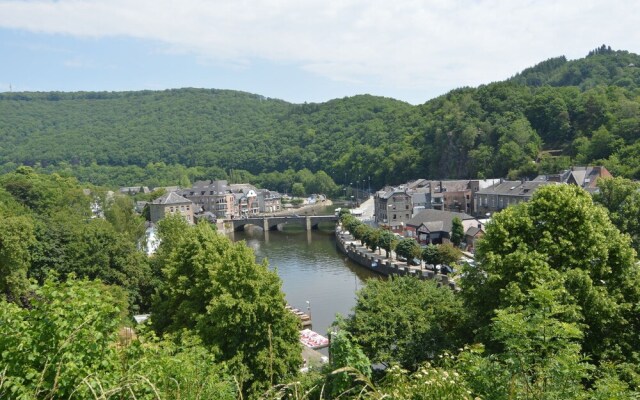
<point>362,256</point>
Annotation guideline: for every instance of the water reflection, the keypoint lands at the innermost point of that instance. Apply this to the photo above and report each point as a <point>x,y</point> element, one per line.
<point>311,269</point>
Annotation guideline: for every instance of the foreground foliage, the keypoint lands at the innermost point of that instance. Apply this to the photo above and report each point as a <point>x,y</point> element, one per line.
<point>215,288</point>
<point>69,344</point>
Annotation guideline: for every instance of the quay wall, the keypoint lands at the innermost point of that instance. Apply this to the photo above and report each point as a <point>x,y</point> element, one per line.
<point>384,266</point>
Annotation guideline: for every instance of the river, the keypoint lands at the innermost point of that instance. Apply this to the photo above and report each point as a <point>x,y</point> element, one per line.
<point>311,269</point>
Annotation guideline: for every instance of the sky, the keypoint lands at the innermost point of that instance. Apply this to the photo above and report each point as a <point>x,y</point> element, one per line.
<point>298,50</point>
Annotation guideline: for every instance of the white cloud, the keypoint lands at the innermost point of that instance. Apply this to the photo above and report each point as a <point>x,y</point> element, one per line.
<point>411,44</point>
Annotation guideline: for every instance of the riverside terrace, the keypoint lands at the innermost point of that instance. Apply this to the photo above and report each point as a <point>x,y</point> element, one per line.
<point>385,266</point>
<point>308,222</point>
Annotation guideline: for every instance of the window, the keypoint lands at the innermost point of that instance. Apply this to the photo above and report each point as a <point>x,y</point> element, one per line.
<point>394,216</point>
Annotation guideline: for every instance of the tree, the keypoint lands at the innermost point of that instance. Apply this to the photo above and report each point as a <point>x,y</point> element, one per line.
<point>405,320</point>
<point>361,232</point>
<point>345,354</point>
<point>91,248</point>
<point>298,189</point>
<point>563,230</point>
<point>387,241</point>
<point>323,183</point>
<point>16,239</point>
<point>440,254</point>
<point>215,288</point>
<point>372,238</point>
<point>408,248</point>
<point>70,343</point>
<point>621,197</point>
<point>430,254</point>
<point>542,351</point>
<point>121,214</point>
<point>67,334</point>
<point>457,231</point>
<point>448,254</point>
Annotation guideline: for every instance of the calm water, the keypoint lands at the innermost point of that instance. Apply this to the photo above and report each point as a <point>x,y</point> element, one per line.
<point>311,269</point>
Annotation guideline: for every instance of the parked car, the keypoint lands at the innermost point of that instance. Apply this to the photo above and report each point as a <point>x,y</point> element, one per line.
<point>446,269</point>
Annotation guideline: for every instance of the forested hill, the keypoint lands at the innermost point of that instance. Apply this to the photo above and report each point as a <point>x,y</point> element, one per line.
<point>602,66</point>
<point>547,117</point>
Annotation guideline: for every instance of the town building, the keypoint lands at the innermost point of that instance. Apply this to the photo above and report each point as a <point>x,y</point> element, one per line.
<point>269,201</point>
<point>393,208</point>
<point>505,193</point>
<point>131,190</point>
<point>585,177</point>
<point>434,226</point>
<point>245,199</point>
<point>212,196</point>
<point>171,204</point>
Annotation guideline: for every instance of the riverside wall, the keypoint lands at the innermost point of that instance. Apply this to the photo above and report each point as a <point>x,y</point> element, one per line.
<point>384,266</point>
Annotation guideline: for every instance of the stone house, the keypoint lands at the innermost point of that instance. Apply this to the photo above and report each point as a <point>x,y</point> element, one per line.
<point>245,199</point>
<point>212,196</point>
<point>171,204</point>
<point>434,226</point>
<point>269,201</point>
<point>505,193</point>
<point>393,208</point>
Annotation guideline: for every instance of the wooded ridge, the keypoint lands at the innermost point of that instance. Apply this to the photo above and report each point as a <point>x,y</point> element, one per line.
<point>547,117</point>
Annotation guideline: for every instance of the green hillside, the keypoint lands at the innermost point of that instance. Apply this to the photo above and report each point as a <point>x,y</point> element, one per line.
<point>586,111</point>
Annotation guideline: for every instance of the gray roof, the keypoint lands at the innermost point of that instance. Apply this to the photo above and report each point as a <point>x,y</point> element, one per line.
<point>242,187</point>
<point>515,188</point>
<point>217,187</point>
<point>171,198</point>
<point>418,197</point>
<point>436,220</point>
<point>472,231</point>
<point>389,193</point>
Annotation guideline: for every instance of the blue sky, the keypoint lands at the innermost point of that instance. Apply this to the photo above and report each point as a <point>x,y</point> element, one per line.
<point>310,50</point>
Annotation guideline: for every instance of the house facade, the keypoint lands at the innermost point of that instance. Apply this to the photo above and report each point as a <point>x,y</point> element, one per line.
<point>434,226</point>
<point>212,196</point>
<point>393,208</point>
<point>505,193</point>
<point>269,201</point>
<point>171,204</point>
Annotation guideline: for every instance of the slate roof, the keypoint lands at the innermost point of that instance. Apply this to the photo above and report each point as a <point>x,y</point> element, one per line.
<point>472,231</point>
<point>217,187</point>
<point>171,198</point>
<point>389,193</point>
<point>436,220</point>
<point>515,188</point>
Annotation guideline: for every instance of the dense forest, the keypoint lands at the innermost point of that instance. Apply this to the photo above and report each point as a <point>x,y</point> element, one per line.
<point>547,117</point>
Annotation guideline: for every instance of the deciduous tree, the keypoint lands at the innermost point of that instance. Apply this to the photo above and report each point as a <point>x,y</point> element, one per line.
<point>215,288</point>
<point>406,320</point>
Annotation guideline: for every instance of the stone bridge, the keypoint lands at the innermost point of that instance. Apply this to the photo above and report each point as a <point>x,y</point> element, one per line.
<point>308,222</point>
